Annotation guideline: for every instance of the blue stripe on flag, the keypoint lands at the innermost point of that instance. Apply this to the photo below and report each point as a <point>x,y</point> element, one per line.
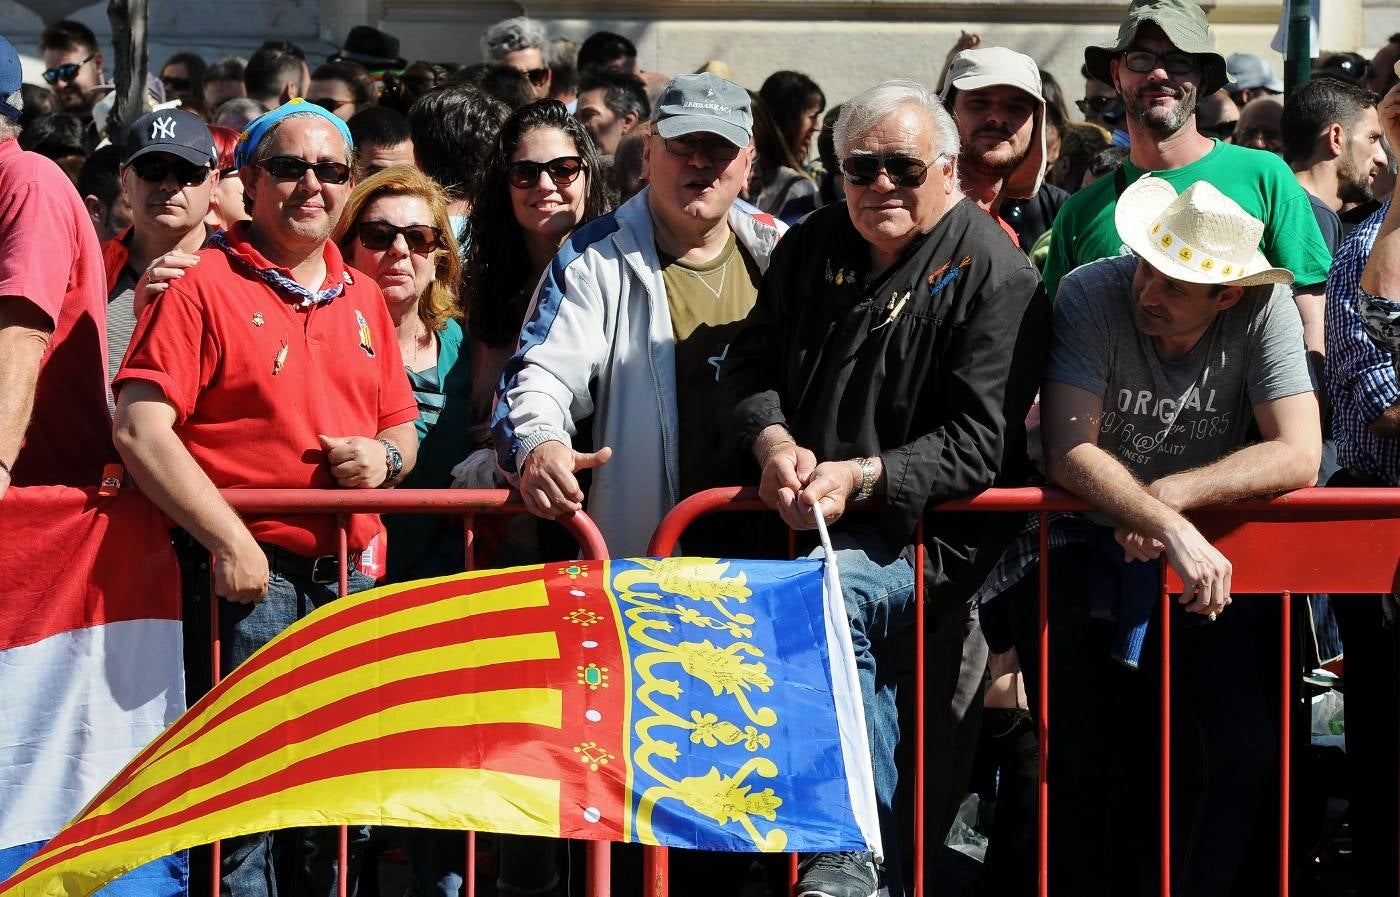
<point>165,877</point>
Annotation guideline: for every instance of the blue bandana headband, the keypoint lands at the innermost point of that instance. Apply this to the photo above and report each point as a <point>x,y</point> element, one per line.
<point>258,127</point>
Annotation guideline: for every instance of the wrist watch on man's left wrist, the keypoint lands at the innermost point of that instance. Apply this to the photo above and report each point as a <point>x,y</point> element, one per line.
<point>393,462</point>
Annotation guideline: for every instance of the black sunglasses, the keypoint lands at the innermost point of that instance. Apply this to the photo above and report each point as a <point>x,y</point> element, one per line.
<point>378,236</point>
<point>156,168</point>
<point>525,174</point>
<point>330,104</point>
<point>175,83</point>
<point>291,168</point>
<point>1223,131</point>
<point>716,149</point>
<point>903,171</point>
<point>1174,61</point>
<point>1097,104</point>
<point>537,76</point>
<point>68,71</point>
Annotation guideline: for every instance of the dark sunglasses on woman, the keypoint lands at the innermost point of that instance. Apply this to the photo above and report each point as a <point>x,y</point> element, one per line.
<point>537,76</point>
<point>156,167</point>
<point>290,168</point>
<point>903,171</point>
<point>525,174</point>
<point>377,236</point>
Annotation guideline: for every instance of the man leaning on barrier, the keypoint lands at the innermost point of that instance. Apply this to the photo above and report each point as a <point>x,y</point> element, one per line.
<point>1178,379</point>
<point>269,364</point>
<point>893,352</point>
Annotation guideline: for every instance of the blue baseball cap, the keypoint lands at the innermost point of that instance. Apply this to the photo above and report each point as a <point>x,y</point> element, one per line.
<point>258,127</point>
<point>11,77</point>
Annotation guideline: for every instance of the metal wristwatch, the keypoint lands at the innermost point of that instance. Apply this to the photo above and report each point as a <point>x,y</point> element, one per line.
<point>868,476</point>
<point>393,460</point>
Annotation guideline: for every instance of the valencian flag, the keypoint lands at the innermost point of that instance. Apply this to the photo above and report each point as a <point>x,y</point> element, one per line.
<point>90,666</point>
<point>682,702</point>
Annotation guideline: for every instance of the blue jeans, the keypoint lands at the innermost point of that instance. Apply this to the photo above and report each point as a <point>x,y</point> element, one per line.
<point>878,588</point>
<point>249,866</point>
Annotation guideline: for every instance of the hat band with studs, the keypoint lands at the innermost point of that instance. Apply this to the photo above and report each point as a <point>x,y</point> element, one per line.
<point>1176,248</point>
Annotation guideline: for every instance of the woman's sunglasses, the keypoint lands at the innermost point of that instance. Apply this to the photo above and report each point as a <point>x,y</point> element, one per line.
<point>156,167</point>
<point>903,171</point>
<point>377,236</point>
<point>290,168</point>
<point>537,76</point>
<point>525,174</point>
<point>67,71</point>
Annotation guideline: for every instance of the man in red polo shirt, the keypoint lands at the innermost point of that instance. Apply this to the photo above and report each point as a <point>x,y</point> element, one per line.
<point>269,364</point>
<point>54,427</point>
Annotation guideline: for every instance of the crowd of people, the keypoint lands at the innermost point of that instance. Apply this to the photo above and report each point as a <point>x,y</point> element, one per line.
<point>610,289</point>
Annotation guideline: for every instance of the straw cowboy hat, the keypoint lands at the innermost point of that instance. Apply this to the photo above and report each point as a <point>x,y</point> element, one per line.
<point>1199,236</point>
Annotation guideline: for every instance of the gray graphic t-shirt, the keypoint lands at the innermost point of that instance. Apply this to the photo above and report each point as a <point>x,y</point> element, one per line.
<point>1160,418</point>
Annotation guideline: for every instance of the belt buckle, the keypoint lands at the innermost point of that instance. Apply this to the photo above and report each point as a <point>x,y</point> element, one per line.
<point>331,564</point>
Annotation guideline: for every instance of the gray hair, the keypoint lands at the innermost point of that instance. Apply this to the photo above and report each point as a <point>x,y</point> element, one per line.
<point>511,35</point>
<point>861,114</point>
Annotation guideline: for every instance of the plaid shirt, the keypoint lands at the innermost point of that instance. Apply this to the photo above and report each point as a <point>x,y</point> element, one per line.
<point>1361,379</point>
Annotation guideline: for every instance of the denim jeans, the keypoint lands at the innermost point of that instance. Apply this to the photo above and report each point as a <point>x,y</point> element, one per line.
<point>527,865</point>
<point>249,867</point>
<point>1104,735</point>
<point>878,589</point>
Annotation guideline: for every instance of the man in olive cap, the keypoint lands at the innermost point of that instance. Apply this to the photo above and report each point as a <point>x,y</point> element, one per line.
<point>1163,60</point>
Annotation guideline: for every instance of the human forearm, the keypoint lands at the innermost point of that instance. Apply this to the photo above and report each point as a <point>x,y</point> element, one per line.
<point>1095,476</point>
<point>769,439</point>
<point>1381,276</point>
<point>1266,468</point>
<point>405,439</point>
<point>21,351</point>
<point>1387,426</point>
<point>1312,307</point>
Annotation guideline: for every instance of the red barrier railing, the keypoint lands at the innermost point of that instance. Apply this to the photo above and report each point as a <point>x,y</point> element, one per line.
<point>1337,541</point>
<point>469,504</point>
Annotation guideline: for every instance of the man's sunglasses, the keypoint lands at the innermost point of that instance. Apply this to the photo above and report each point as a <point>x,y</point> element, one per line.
<point>378,236</point>
<point>290,168</point>
<point>175,83</point>
<point>716,149</point>
<point>330,104</point>
<point>156,168</point>
<point>903,171</point>
<point>1097,104</point>
<point>1174,61</point>
<point>1223,131</point>
<point>68,71</point>
<point>525,174</point>
<point>537,76</point>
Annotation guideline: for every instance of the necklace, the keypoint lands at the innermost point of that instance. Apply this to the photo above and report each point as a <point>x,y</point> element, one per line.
<point>422,341</point>
<point>705,278</point>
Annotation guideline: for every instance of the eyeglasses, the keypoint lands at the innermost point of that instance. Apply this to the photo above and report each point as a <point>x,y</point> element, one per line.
<point>525,174</point>
<point>155,168</point>
<point>175,83</point>
<point>1097,104</point>
<point>68,71</point>
<point>716,149</point>
<point>290,168</point>
<point>1174,61</point>
<point>1223,131</point>
<point>330,104</point>
<point>537,76</point>
<point>903,171</point>
<point>230,172</point>
<point>378,236</point>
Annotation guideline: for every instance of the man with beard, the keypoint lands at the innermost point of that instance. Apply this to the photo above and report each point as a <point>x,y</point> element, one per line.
<point>73,66</point>
<point>994,95</point>
<point>1163,60</point>
<point>1332,140</point>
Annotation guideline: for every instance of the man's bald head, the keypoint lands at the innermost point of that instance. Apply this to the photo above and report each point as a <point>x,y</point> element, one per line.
<point>1261,124</point>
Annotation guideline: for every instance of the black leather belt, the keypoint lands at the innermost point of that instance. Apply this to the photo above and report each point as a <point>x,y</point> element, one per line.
<point>323,570</point>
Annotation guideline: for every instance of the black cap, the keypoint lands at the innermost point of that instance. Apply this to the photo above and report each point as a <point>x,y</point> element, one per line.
<point>371,48</point>
<point>173,131</point>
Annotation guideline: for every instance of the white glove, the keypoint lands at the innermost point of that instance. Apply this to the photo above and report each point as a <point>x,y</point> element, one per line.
<point>478,471</point>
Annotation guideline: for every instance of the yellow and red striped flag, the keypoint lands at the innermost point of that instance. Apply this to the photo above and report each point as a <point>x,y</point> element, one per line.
<point>686,702</point>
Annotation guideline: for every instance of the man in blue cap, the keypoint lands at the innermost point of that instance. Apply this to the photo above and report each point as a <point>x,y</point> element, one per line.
<point>53,425</point>
<point>269,364</point>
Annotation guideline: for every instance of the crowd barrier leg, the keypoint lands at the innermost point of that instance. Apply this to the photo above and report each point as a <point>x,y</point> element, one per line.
<point>1166,739</point>
<point>920,711</point>
<point>1285,752</point>
<point>1042,698</point>
<point>469,554</point>
<point>342,866</point>
<point>215,652</point>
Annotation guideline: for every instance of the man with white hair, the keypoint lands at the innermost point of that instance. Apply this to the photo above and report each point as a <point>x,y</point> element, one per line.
<point>1177,380</point>
<point>893,353</point>
<point>520,43</point>
<point>994,96</point>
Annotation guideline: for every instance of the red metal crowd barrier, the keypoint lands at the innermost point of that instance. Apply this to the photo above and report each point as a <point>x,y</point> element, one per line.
<point>1336,541</point>
<point>467,503</point>
<point>1313,540</point>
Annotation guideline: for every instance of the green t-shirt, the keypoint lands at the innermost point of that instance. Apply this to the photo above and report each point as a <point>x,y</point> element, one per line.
<point>1259,181</point>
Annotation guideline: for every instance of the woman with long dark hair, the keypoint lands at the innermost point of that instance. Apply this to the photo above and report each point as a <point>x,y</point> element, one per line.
<point>786,113</point>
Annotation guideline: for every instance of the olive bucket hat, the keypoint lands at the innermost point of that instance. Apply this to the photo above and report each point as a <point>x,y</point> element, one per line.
<point>1184,24</point>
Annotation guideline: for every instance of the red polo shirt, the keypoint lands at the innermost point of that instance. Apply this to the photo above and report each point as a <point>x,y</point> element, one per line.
<point>212,344</point>
<point>50,256</point>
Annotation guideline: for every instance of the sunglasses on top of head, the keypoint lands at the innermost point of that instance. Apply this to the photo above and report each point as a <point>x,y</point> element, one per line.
<point>290,168</point>
<point>68,71</point>
<point>155,168</point>
<point>378,236</point>
<point>903,171</point>
<point>562,171</point>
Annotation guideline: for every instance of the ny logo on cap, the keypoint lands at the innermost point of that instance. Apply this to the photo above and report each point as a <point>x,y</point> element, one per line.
<point>163,129</point>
